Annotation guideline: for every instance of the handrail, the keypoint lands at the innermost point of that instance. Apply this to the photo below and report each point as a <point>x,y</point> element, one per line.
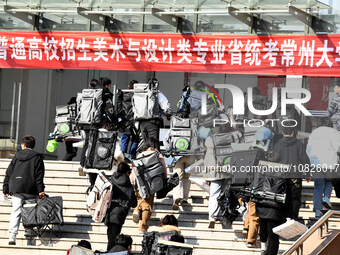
<point>310,231</point>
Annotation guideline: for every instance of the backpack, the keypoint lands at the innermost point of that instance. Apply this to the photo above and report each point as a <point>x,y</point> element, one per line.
<point>65,120</point>
<point>150,240</point>
<point>99,198</point>
<point>78,250</point>
<point>241,159</point>
<point>173,248</point>
<point>89,104</point>
<point>100,149</point>
<point>145,102</point>
<point>259,103</point>
<point>183,134</point>
<point>149,172</point>
<point>222,146</point>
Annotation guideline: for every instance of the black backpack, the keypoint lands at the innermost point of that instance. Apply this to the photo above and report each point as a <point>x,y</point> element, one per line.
<point>100,149</point>
<point>150,240</point>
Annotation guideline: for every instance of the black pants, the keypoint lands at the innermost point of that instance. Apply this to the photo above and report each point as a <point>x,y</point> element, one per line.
<point>92,178</point>
<point>113,230</point>
<point>266,234</point>
<point>71,151</point>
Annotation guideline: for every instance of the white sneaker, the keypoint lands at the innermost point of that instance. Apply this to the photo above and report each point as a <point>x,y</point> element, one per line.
<point>135,217</point>
<point>12,240</point>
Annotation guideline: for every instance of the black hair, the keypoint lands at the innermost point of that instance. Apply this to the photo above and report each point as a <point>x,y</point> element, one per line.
<point>94,83</point>
<point>104,81</point>
<point>123,168</point>
<point>73,100</point>
<point>325,122</point>
<point>169,220</point>
<point>154,82</point>
<point>123,240</point>
<point>256,91</point>
<point>131,84</point>
<point>29,141</point>
<point>85,244</point>
<point>288,128</point>
<point>177,239</point>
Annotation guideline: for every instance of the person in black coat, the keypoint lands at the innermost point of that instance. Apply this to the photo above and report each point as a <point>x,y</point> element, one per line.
<point>24,180</point>
<point>123,198</point>
<point>291,151</point>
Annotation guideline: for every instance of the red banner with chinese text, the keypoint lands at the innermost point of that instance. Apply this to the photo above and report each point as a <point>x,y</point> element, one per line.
<point>267,83</point>
<point>244,54</point>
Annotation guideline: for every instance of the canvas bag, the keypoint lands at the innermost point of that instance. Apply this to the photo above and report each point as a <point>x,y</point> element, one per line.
<point>90,103</point>
<point>149,172</point>
<point>144,102</point>
<point>48,210</point>
<point>99,198</point>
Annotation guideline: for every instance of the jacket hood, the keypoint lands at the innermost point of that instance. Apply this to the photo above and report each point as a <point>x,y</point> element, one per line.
<point>118,248</point>
<point>121,179</point>
<point>288,141</point>
<point>26,154</point>
<point>322,132</point>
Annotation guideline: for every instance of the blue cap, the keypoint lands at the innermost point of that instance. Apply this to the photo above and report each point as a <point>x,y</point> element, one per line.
<point>263,134</point>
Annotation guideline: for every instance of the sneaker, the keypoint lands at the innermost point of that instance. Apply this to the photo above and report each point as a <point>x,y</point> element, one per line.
<point>175,206</point>
<point>212,224</point>
<point>251,245</point>
<point>245,233</point>
<point>135,217</point>
<point>318,214</point>
<point>326,203</point>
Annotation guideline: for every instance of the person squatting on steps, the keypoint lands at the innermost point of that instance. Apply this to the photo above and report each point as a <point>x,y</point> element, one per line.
<point>24,180</point>
<point>123,198</point>
<point>144,207</point>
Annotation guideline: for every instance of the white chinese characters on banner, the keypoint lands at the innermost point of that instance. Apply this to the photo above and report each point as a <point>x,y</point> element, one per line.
<point>277,52</point>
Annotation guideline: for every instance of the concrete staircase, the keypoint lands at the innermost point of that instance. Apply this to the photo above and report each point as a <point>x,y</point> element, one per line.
<point>62,179</point>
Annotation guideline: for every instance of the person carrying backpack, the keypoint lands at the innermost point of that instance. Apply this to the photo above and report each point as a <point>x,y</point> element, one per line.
<point>123,243</point>
<point>129,132</point>
<point>144,207</point>
<point>323,145</point>
<point>291,151</point>
<point>123,198</point>
<point>149,127</point>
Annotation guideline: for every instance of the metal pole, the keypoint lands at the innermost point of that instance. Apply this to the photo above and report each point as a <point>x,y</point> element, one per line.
<point>13,109</point>
<point>18,112</point>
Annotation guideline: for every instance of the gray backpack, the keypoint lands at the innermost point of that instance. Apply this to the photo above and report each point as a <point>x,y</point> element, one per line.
<point>149,172</point>
<point>145,102</point>
<point>183,134</point>
<point>222,146</point>
<point>65,120</point>
<point>90,103</point>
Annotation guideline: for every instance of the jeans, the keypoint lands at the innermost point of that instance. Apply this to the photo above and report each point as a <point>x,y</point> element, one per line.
<point>124,143</point>
<point>322,190</point>
<point>215,190</point>
<point>16,213</point>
